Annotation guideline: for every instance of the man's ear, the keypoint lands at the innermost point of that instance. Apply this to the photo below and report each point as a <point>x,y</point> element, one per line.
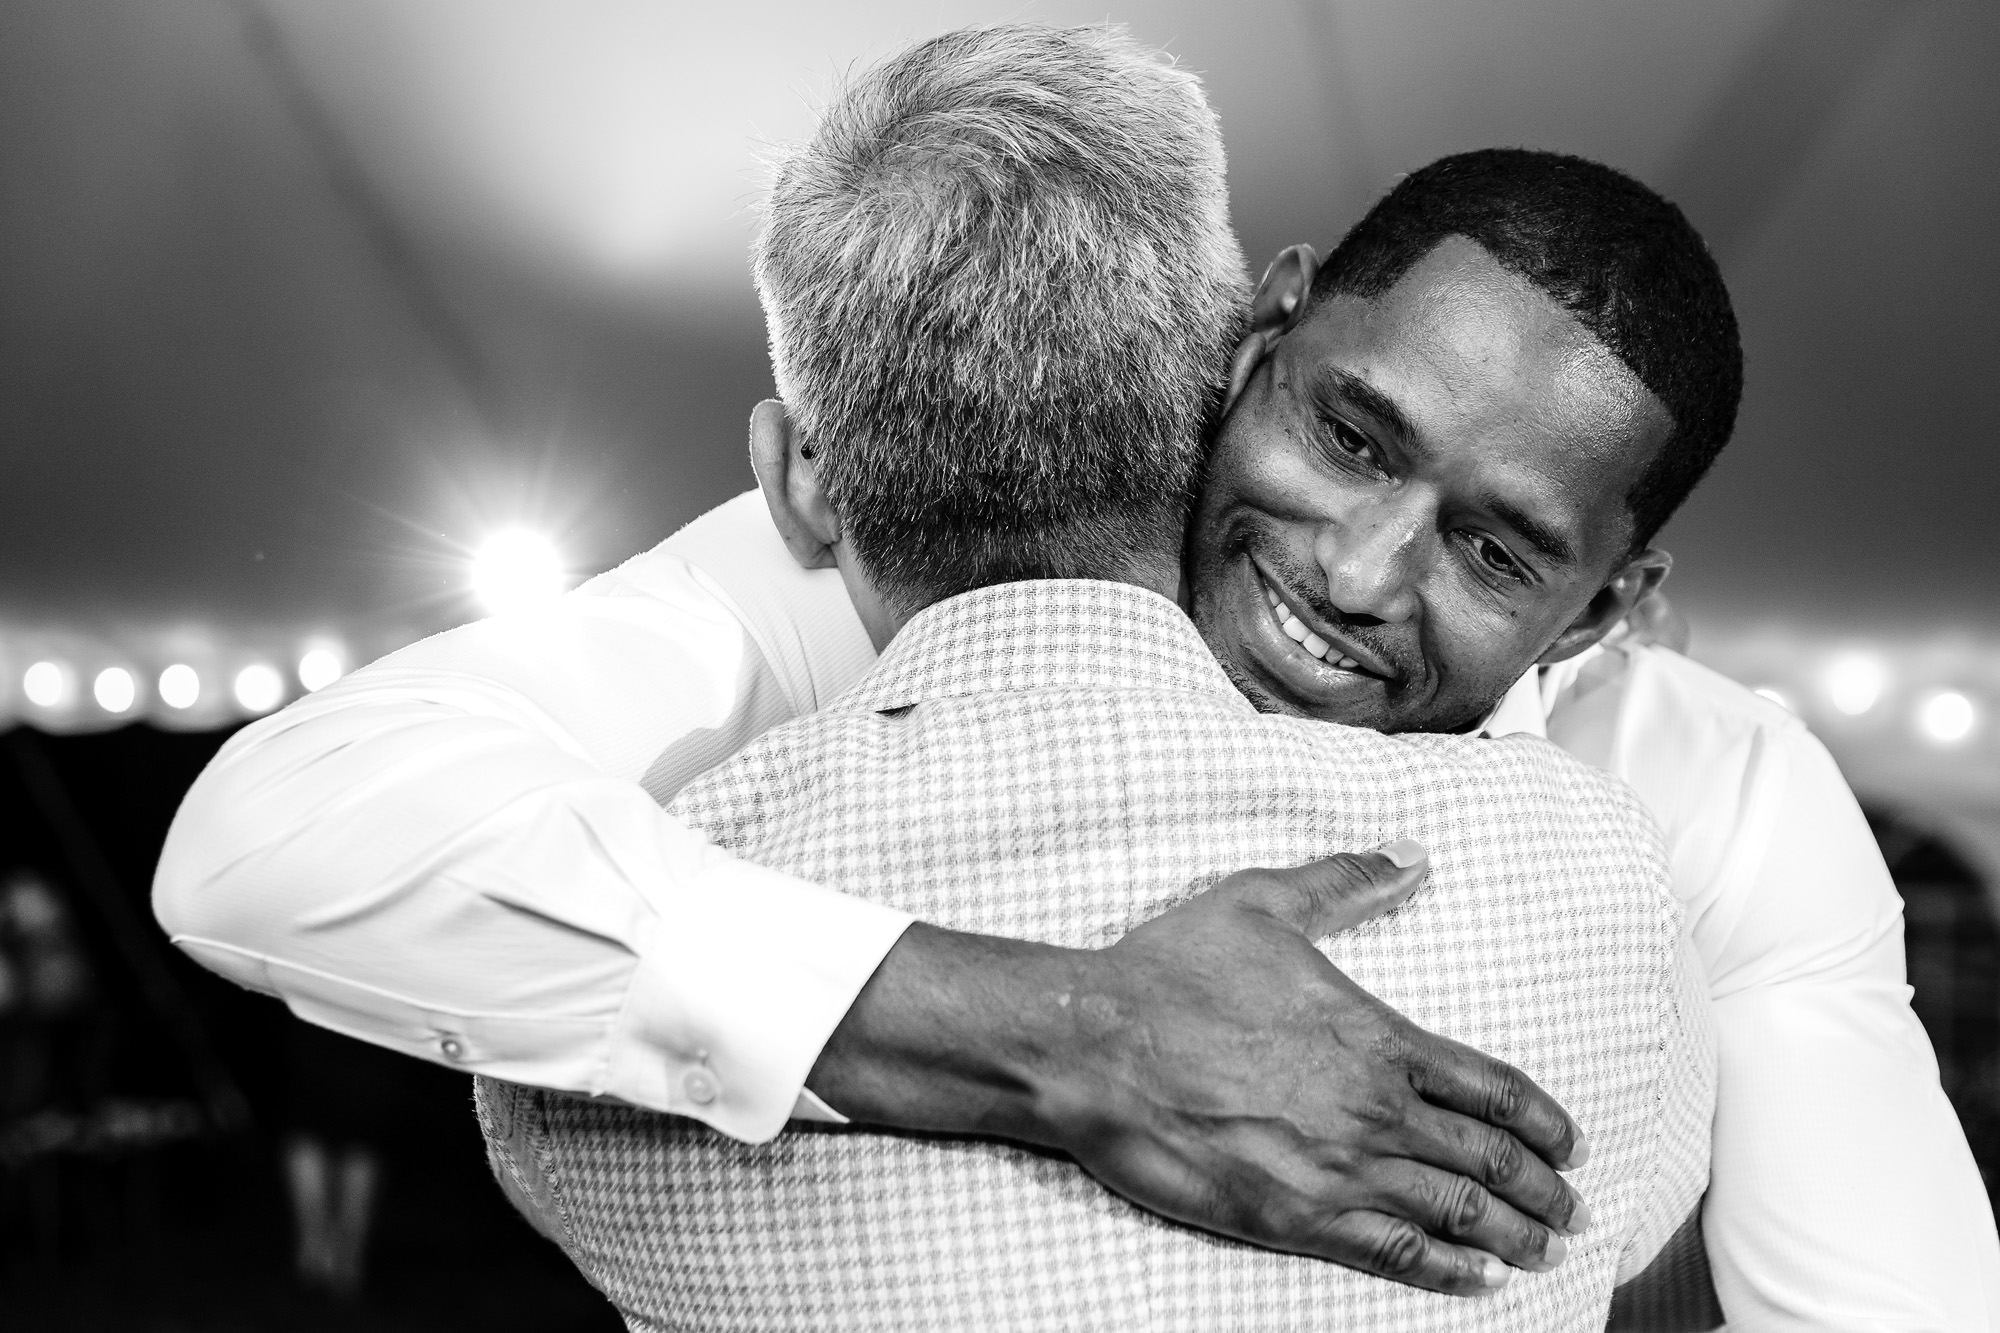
<point>784,468</point>
<point>1641,575</point>
<point>1276,308</point>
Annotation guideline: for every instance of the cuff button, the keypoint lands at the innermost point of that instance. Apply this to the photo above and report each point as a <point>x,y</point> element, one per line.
<point>700,1086</point>
<point>453,1048</point>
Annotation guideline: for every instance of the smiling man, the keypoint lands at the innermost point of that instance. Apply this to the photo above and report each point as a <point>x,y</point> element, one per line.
<point>1418,494</point>
<point>1447,454</point>
<point>1433,496</point>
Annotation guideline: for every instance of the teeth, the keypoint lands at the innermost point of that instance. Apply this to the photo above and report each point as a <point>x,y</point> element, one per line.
<point>1295,629</point>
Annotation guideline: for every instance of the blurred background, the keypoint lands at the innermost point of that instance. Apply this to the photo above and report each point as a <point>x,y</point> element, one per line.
<point>327,325</point>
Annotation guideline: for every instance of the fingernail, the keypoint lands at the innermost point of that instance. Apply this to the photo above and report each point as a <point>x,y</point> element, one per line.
<point>1493,1274</point>
<point>1579,1218</point>
<point>1406,852</point>
<point>1578,1154</point>
<point>1557,1251</point>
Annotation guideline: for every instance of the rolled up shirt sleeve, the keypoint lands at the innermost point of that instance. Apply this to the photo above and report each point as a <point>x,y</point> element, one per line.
<point>459,853</point>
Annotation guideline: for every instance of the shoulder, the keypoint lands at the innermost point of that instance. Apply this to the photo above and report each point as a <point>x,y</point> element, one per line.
<point>1521,783</point>
<point>1687,738</point>
<point>800,619</point>
<point>1761,828</point>
<point>1683,708</point>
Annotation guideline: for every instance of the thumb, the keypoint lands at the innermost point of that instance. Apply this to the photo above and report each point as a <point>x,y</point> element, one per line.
<point>1340,892</point>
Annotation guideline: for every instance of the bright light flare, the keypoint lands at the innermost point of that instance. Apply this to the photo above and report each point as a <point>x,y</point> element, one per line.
<point>259,687</point>
<point>516,570</point>
<point>1778,697</point>
<point>1855,683</point>
<point>319,668</point>
<point>1947,717</point>
<point>45,684</point>
<point>114,689</point>
<point>179,686</point>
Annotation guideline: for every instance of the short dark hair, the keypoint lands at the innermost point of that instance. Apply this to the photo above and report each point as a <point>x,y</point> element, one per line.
<point>1002,290</point>
<point>1614,253</point>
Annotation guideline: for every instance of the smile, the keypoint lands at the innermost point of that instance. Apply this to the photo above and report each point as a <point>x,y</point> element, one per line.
<point>1305,637</point>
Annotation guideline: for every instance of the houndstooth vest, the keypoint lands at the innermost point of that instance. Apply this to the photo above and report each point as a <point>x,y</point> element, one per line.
<point>1062,761</point>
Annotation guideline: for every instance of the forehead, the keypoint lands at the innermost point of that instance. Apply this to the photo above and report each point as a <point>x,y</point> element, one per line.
<point>1493,377</point>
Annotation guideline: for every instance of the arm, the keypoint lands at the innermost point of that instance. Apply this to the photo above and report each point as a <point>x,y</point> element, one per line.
<point>1844,1195</point>
<point>457,853</point>
<point>451,853</point>
<point>1214,1067</point>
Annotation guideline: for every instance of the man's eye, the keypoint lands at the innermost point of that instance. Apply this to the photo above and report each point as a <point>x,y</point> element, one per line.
<point>1351,441</point>
<point>1349,447</point>
<point>1496,558</point>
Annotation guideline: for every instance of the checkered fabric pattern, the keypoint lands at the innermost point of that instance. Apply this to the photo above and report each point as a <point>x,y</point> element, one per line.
<point>1062,761</point>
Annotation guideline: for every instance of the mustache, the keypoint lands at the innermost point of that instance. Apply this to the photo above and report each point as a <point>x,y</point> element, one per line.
<point>1304,584</point>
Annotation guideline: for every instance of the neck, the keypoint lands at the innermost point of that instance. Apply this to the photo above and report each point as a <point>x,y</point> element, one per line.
<point>882,617</point>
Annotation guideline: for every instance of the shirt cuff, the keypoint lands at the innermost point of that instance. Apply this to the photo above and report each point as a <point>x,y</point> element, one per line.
<point>736,992</point>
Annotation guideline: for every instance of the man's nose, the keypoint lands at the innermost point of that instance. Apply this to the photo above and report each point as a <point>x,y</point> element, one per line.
<point>1370,558</point>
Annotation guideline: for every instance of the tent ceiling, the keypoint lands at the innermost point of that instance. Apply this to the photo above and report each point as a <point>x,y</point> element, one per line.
<point>298,300</point>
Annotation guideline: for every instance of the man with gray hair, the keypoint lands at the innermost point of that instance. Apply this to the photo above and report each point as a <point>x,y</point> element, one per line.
<point>1000,281</point>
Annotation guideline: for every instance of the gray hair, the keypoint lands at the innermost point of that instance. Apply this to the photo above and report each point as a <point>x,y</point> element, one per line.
<point>1002,290</point>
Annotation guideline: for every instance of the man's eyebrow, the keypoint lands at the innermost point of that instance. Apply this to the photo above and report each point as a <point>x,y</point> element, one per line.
<point>1552,545</point>
<point>1358,391</point>
<point>1352,388</point>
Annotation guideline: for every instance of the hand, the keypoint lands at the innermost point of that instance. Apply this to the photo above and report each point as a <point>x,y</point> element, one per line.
<point>1242,1083</point>
<point>1214,1067</point>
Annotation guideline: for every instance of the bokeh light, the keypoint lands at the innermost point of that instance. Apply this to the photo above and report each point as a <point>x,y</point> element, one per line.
<point>259,687</point>
<point>516,570</point>
<point>1947,717</point>
<point>180,686</point>
<point>1855,682</point>
<point>319,668</point>
<point>45,683</point>
<point>114,689</point>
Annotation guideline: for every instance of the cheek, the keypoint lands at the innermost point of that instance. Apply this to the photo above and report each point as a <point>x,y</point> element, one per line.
<point>1269,469</point>
<point>1475,644</point>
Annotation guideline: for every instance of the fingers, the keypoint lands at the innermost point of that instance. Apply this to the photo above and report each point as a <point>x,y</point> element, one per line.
<point>1399,1250</point>
<point>1449,1074</point>
<point>1454,1208</point>
<point>1337,892</point>
<point>1170,1183</point>
<point>1498,1163</point>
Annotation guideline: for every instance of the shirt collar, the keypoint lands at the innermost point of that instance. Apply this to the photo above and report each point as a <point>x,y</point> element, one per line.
<point>1526,707</point>
<point>1520,710</point>
<point>1043,634</point>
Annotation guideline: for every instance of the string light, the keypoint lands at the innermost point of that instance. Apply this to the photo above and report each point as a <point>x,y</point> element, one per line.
<point>319,668</point>
<point>1855,683</point>
<point>114,689</point>
<point>180,687</point>
<point>259,687</point>
<point>516,570</point>
<point>1947,717</point>
<point>45,683</point>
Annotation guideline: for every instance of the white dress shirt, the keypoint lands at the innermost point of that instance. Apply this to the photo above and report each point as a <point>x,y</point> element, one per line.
<point>459,852</point>
<point>1843,1195</point>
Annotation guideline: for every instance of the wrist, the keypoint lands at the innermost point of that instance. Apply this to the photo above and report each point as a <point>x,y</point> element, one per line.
<point>959,1033</point>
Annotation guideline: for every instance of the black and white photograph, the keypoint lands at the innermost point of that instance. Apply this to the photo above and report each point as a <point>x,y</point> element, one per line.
<point>1286,666</point>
